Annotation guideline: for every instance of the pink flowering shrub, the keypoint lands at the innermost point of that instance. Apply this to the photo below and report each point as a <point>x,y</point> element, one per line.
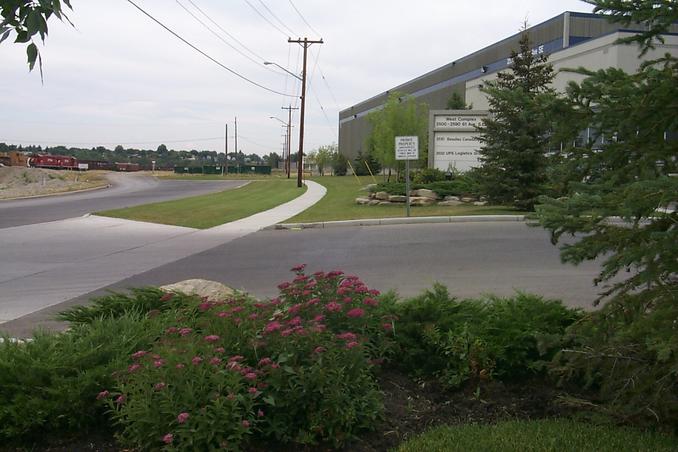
<point>296,369</point>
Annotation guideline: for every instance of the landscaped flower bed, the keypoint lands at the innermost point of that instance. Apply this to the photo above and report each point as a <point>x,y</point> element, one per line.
<point>329,364</point>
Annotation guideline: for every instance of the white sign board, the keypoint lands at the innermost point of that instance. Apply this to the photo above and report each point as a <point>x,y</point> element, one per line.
<point>454,138</point>
<point>83,166</point>
<point>407,148</point>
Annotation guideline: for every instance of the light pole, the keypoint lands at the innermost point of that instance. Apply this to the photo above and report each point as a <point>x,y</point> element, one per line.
<point>286,148</point>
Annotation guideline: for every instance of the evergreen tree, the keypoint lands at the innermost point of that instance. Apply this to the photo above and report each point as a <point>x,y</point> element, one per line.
<point>456,102</point>
<point>515,136</point>
<point>621,206</point>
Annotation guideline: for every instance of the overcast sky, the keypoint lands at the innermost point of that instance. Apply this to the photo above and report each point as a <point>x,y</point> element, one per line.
<point>119,78</point>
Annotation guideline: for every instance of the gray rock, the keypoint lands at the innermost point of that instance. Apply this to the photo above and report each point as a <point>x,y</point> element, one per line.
<point>425,193</point>
<point>385,203</point>
<point>480,203</point>
<point>451,202</point>
<point>452,198</point>
<point>374,202</point>
<point>421,201</point>
<point>467,199</point>
<point>397,198</point>
<point>382,196</point>
<point>213,290</point>
<point>362,200</point>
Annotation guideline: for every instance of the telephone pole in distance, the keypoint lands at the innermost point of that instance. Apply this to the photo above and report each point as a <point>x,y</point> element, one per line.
<point>289,137</point>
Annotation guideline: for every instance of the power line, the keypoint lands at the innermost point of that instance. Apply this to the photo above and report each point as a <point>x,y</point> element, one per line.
<point>265,18</point>
<point>204,54</point>
<point>222,39</point>
<point>302,18</point>
<point>276,17</point>
<point>227,33</point>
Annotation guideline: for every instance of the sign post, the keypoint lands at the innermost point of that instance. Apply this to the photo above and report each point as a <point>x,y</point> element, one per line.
<point>407,148</point>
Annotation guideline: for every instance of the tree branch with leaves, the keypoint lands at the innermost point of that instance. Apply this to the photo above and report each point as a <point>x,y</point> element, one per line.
<point>27,19</point>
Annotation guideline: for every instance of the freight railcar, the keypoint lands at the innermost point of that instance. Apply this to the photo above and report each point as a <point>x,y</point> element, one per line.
<point>53,162</point>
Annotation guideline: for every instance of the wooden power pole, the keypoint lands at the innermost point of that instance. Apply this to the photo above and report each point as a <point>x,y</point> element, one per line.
<point>305,43</point>
<point>289,137</point>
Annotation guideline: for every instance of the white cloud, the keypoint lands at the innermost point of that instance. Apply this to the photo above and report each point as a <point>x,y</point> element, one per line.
<point>119,77</point>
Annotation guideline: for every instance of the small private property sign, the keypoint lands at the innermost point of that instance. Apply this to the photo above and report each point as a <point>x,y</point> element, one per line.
<point>407,148</point>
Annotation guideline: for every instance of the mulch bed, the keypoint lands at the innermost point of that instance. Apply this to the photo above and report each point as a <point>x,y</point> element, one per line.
<point>411,407</point>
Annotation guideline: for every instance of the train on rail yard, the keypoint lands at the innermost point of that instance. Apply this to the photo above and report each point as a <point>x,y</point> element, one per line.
<point>71,163</point>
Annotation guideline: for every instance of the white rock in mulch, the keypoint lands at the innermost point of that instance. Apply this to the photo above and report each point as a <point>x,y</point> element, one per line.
<point>397,198</point>
<point>480,203</point>
<point>213,290</point>
<point>452,198</point>
<point>362,200</point>
<point>385,203</point>
<point>374,202</point>
<point>467,199</point>
<point>382,196</point>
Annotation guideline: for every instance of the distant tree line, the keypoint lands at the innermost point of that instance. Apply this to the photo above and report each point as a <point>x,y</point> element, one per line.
<point>163,157</point>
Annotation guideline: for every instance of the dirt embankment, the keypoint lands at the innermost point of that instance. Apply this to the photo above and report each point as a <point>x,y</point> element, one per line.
<point>19,182</point>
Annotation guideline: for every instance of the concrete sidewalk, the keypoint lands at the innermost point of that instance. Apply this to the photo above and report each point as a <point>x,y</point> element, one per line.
<point>48,263</point>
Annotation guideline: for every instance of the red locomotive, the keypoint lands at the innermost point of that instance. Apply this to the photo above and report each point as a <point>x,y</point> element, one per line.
<point>53,162</point>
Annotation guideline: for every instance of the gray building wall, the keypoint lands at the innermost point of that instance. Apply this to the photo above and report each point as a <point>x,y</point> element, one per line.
<point>567,33</point>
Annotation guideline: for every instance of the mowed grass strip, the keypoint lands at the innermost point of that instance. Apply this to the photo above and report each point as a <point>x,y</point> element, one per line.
<point>339,204</point>
<point>206,211</point>
<point>542,435</point>
<point>276,175</point>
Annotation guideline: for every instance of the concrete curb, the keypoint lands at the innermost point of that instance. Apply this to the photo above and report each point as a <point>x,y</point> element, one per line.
<point>63,193</point>
<point>391,221</point>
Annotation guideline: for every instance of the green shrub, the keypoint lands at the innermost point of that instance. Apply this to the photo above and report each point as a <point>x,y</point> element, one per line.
<point>114,305</point>
<point>461,341</point>
<point>296,369</point>
<point>542,436</point>
<point>628,353</point>
<point>428,175</point>
<point>459,186</point>
<point>47,385</point>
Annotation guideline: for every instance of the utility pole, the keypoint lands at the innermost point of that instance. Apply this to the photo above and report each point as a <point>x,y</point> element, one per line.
<point>236,141</point>
<point>305,43</point>
<point>225,164</point>
<point>289,137</point>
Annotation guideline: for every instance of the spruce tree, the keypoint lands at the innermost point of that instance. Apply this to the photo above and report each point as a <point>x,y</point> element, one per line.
<point>515,135</point>
<point>621,206</point>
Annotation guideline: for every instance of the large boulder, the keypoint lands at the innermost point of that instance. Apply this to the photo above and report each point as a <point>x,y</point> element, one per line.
<point>213,290</point>
<point>425,193</point>
<point>382,196</point>
<point>421,201</point>
<point>397,198</point>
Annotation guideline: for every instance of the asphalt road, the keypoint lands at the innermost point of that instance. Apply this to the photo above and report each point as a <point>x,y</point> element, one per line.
<point>128,189</point>
<point>469,258</point>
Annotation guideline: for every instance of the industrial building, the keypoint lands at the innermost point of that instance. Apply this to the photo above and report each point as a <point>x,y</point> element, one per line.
<point>571,40</point>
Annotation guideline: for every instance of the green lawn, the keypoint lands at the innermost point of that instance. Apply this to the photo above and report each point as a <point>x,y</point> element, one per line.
<point>542,436</point>
<point>206,211</point>
<point>275,176</point>
<point>339,204</point>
